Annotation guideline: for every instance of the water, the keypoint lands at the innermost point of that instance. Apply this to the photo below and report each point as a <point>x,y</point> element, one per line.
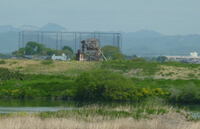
<point>194,111</point>
<point>193,108</point>
<point>11,106</point>
<point>31,109</point>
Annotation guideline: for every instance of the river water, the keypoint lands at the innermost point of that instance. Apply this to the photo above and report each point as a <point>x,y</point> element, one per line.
<point>10,106</point>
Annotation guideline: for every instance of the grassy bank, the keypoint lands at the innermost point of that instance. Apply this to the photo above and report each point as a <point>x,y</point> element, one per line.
<point>137,68</point>
<point>132,81</point>
<point>102,117</point>
<point>145,93</point>
<point>63,123</point>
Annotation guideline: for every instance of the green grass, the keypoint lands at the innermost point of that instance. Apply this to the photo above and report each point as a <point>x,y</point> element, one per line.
<point>148,68</point>
<point>106,82</point>
<point>47,62</point>
<point>2,62</point>
<point>111,111</point>
<point>179,64</point>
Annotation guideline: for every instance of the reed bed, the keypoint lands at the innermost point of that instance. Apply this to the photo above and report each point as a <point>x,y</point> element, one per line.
<point>33,122</point>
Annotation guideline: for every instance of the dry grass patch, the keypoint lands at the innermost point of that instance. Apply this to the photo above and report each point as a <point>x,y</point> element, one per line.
<point>172,72</point>
<point>31,122</point>
<point>57,67</point>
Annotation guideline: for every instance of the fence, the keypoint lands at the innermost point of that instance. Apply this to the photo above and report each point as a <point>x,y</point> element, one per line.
<point>57,40</point>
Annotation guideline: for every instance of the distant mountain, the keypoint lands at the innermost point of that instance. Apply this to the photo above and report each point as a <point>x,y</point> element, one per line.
<point>142,43</point>
<point>144,34</point>
<point>28,28</point>
<point>150,43</point>
<point>47,27</point>
<point>52,27</point>
<point>7,28</point>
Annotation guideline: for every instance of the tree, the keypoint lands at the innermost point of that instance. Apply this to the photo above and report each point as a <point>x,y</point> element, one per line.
<point>112,52</point>
<point>19,52</point>
<point>68,48</point>
<point>161,59</point>
<point>3,55</point>
<point>68,51</point>
<point>34,48</point>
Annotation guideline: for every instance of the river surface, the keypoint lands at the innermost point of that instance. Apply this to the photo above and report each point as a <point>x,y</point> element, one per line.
<point>9,106</point>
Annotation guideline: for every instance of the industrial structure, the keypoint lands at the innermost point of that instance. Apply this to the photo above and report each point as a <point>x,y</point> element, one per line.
<point>57,40</point>
<point>90,51</point>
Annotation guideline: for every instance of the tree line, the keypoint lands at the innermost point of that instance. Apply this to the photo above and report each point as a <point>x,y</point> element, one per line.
<point>38,49</point>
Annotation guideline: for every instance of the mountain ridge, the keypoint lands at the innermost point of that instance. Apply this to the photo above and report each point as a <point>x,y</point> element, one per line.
<point>142,42</point>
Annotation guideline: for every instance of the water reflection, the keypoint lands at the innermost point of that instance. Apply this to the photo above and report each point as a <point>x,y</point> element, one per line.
<point>31,109</point>
<point>9,106</point>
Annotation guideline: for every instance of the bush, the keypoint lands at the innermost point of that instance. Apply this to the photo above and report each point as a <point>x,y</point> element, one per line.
<point>112,52</point>
<point>186,94</point>
<point>103,85</point>
<point>2,62</point>
<point>47,62</point>
<point>6,74</point>
<point>148,68</point>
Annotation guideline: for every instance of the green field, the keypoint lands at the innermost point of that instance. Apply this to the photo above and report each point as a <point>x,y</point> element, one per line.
<point>126,80</point>
<point>117,93</point>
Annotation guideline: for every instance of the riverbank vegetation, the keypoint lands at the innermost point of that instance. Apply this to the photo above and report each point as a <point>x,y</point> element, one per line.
<point>102,117</point>
<point>124,80</point>
<point>117,94</point>
<point>30,122</point>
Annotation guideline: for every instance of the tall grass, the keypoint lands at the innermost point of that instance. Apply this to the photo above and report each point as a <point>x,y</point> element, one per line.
<point>100,117</point>
<point>2,62</point>
<point>63,123</point>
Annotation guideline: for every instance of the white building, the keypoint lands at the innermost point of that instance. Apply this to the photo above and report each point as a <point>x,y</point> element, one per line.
<point>63,57</point>
<point>192,58</point>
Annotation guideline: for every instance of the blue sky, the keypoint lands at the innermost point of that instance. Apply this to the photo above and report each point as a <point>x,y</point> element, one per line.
<point>165,16</point>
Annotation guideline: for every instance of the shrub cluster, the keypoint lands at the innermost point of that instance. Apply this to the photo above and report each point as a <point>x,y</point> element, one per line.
<point>148,68</point>
<point>185,94</point>
<point>2,62</point>
<point>109,86</point>
<point>98,85</point>
<point>47,62</point>
<point>6,74</point>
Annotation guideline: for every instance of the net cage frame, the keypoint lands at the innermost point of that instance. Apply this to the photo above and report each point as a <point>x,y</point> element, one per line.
<point>57,40</point>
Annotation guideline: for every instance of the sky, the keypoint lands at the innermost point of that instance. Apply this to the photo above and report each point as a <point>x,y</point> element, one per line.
<point>166,16</point>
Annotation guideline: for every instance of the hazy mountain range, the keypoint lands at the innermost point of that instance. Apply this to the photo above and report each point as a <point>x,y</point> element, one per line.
<point>47,27</point>
<point>143,42</point>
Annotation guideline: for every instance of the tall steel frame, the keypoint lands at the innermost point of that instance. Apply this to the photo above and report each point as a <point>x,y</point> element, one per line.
<point>57,40</point>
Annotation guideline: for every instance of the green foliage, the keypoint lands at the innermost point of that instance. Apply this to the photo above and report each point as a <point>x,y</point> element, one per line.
<point>31,48</point>
<point>34,48</point>
<point>161,59</point>
<point>19,53</point>
<point>108,112</point>
<point>103,85</point>
<point>6,74</point>
<point>2,62</point>
<point>180,64</point>
<point>4,56</point>
<point>47,62</point>
<point>33,87</point>
<point>147,67</point>
<point>112,52</point>
<point>109,86</point>
<point>67,48</point>
<point>186,94</point>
